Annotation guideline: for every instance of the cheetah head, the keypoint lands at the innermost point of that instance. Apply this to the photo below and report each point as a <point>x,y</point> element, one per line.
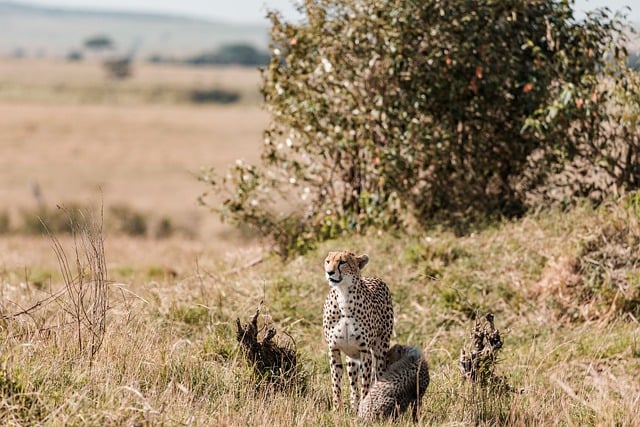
<point>399,352</point>
<point>343,267</point>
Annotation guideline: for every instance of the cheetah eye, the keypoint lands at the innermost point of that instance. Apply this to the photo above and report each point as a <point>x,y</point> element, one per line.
<point>342,262</point>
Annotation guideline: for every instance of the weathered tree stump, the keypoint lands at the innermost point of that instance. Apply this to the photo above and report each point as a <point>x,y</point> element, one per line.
<point>271,362</point>
<point>478,361</point>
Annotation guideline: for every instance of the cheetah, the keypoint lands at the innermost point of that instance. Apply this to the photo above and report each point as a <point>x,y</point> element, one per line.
<point>402,385</point>
<point>358,321</point>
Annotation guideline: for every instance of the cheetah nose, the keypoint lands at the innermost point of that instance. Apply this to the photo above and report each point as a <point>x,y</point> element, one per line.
<point>330,273</point>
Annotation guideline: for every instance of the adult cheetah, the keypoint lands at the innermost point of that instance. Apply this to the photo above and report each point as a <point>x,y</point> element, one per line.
<point>402,385</point>
<point>358,321</point>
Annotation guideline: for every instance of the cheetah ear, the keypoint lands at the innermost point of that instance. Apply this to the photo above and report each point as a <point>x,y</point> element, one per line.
<point>362,261</point>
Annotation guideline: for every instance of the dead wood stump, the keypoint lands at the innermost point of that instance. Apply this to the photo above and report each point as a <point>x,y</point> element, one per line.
<point>272,363</point>
<point>478,361</point>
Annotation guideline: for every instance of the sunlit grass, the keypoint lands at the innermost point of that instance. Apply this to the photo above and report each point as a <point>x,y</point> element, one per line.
<point>170,356</point>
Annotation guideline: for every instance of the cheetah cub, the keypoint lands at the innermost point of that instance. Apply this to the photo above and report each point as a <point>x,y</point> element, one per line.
<point>402,385</point>
<point>357,321</point>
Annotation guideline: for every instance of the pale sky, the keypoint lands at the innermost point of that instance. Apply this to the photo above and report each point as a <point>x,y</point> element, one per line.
<point>242,11</point>
<point>254,11</point>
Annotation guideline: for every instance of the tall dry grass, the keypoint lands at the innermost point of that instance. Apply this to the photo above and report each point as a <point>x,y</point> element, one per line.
<point>85,278</point>
<point>169,355</point>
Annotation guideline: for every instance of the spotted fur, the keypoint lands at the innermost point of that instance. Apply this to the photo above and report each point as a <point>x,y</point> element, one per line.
<point>357,321</point>
<point>402,385</point>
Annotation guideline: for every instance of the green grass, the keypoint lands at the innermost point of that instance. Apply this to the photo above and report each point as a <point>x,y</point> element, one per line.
<point>170,358</point>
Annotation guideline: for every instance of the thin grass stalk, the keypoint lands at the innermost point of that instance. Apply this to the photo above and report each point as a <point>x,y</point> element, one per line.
<point>87,289</point>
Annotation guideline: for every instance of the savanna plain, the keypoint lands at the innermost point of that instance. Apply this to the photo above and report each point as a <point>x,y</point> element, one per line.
<point>133,321</point>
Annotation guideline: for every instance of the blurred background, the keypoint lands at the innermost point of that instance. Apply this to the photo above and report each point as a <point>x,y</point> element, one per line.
<point>126,101</point>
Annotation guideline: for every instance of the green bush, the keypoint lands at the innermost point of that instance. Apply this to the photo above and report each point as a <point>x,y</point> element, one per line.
<point>61,219</point>
<point>233,54</point>
<point>604,160</point>
<point>214,96</point>
<point>127,221</point>
<point>391,113</point>
<point>164,228</point>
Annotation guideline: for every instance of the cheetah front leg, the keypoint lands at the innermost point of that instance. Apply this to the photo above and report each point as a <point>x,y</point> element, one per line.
<point>353,370</point>
<point>336,376</point>
<point>367,373</point>
<point>379,361</point>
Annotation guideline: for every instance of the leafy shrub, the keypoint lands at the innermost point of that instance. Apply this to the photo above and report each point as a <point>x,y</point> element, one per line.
<point>233,54</point>
<point>164,228</point>
<point>392,113</point>
<point>62,219</point>
<point>216,96</point>
<point>99,42</point>
<point>127,221</point>
<point>118,68</point>
<point>66,218</point>
<point>604,160</point>
<point>74,56</point>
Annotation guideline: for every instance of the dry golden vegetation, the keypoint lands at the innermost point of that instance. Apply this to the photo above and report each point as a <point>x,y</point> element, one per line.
<point>564,287</point>
<point>49,82</point>
<point>135,152</point>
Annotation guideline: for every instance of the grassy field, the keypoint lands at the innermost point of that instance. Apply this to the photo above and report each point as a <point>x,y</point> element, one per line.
<point>564,287</point>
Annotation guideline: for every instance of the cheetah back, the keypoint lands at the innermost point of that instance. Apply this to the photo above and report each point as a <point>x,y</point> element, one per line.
<point>381,309</point>
<point>403,384</point>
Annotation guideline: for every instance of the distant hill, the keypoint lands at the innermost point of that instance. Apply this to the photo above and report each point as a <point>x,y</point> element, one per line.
<point>54,32</point>
<point>38,31</point>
